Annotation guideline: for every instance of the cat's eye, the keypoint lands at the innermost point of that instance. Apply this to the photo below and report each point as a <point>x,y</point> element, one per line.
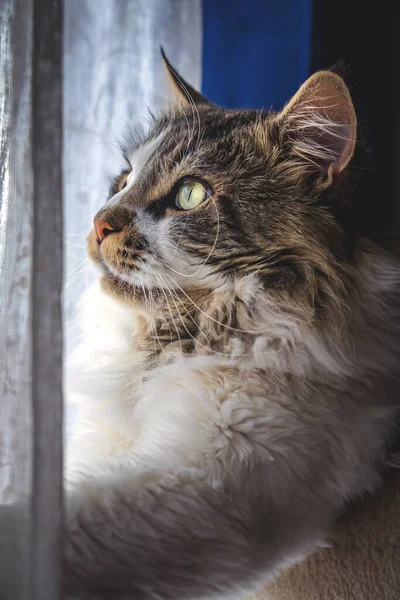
<point>191,194</point>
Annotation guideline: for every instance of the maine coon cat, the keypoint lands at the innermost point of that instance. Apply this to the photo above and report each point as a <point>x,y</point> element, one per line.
<point>238,367</point>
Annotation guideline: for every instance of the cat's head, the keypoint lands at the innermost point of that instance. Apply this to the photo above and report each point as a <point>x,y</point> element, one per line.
<point>212,196</point>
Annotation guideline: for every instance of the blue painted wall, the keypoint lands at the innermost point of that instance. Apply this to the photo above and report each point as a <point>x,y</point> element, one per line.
<point>256,53</point>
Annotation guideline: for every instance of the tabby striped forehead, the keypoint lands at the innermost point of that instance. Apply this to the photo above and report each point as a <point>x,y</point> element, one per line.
<point>208,143</point>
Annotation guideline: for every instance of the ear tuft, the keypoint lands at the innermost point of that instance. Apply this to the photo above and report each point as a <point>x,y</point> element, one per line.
<point>319,126</point>
<point>185,93</point>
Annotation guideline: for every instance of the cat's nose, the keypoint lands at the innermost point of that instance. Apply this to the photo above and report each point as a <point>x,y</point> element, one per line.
<point>102,229</point>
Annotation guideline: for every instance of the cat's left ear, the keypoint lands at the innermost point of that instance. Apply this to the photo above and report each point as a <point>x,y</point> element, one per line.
<point>318,128</point>
<point>185,93</point>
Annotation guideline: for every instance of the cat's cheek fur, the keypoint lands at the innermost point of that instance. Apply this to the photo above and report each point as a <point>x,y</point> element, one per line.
<point>176,266</point>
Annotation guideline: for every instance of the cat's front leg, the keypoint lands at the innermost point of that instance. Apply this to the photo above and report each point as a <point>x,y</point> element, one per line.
<point>174,535</point>
<point>238,488</point>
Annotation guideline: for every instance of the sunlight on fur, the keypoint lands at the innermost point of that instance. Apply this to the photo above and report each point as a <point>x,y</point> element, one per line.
<point>237,360</point>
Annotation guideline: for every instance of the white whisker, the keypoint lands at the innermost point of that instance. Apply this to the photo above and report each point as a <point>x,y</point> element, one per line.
<point>202,311</point>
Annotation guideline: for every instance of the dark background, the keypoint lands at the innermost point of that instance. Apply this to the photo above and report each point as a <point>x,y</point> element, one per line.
<point>257,53</point>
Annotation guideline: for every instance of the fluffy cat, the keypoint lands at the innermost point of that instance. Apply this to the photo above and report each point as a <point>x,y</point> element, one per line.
<point>238,370</point>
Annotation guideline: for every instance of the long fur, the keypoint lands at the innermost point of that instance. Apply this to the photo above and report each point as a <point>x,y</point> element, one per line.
<point>230,404</point>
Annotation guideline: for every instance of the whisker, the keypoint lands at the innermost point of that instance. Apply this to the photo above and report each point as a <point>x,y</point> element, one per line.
<point>74,245</point>
<point>160,312</point>
<point>202,311</point>
<point>183,323</point>
<point>71,255</point>
<point>177,245</point>
<point>169,308</point>
<point>153,303</point>
<point>77,273</point>
<point>195,340</point>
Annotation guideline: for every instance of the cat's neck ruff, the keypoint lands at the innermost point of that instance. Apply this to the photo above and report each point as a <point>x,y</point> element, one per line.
<point>242,324</point>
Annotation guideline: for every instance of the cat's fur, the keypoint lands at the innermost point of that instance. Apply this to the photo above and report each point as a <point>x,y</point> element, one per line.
<point>362,561</point>
<point>238,369</point>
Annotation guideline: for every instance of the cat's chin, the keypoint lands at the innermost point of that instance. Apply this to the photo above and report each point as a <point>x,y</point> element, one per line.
<point>134,278</point>
<point>130,288</point>
<point>125,292</point>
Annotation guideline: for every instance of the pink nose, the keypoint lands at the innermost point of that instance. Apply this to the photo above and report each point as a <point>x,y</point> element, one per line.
<point>102,229</point>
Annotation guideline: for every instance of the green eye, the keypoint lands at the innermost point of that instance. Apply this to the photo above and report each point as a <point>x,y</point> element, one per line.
<point>191,194</point>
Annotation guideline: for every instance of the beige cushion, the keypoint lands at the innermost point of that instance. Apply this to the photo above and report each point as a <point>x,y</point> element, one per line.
<point>362,564</point>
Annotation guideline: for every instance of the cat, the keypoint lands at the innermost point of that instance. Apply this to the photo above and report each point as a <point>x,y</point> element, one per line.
<point>237,374</point>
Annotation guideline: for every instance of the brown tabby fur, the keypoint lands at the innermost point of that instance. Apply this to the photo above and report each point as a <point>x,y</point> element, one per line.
<point>300,213</point>
<point>301,242</point>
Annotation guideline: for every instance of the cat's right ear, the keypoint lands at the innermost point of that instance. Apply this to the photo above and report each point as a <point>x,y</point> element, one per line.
<point>318,129</point>
<point>184,92</point>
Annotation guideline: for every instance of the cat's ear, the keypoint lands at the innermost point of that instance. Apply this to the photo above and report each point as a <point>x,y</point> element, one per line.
<point>185,93</point>
<point>318,128</point>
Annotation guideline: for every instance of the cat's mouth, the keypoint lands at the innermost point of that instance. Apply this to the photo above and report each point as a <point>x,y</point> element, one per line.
<point>118,261</point>
<point>114,255</point>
